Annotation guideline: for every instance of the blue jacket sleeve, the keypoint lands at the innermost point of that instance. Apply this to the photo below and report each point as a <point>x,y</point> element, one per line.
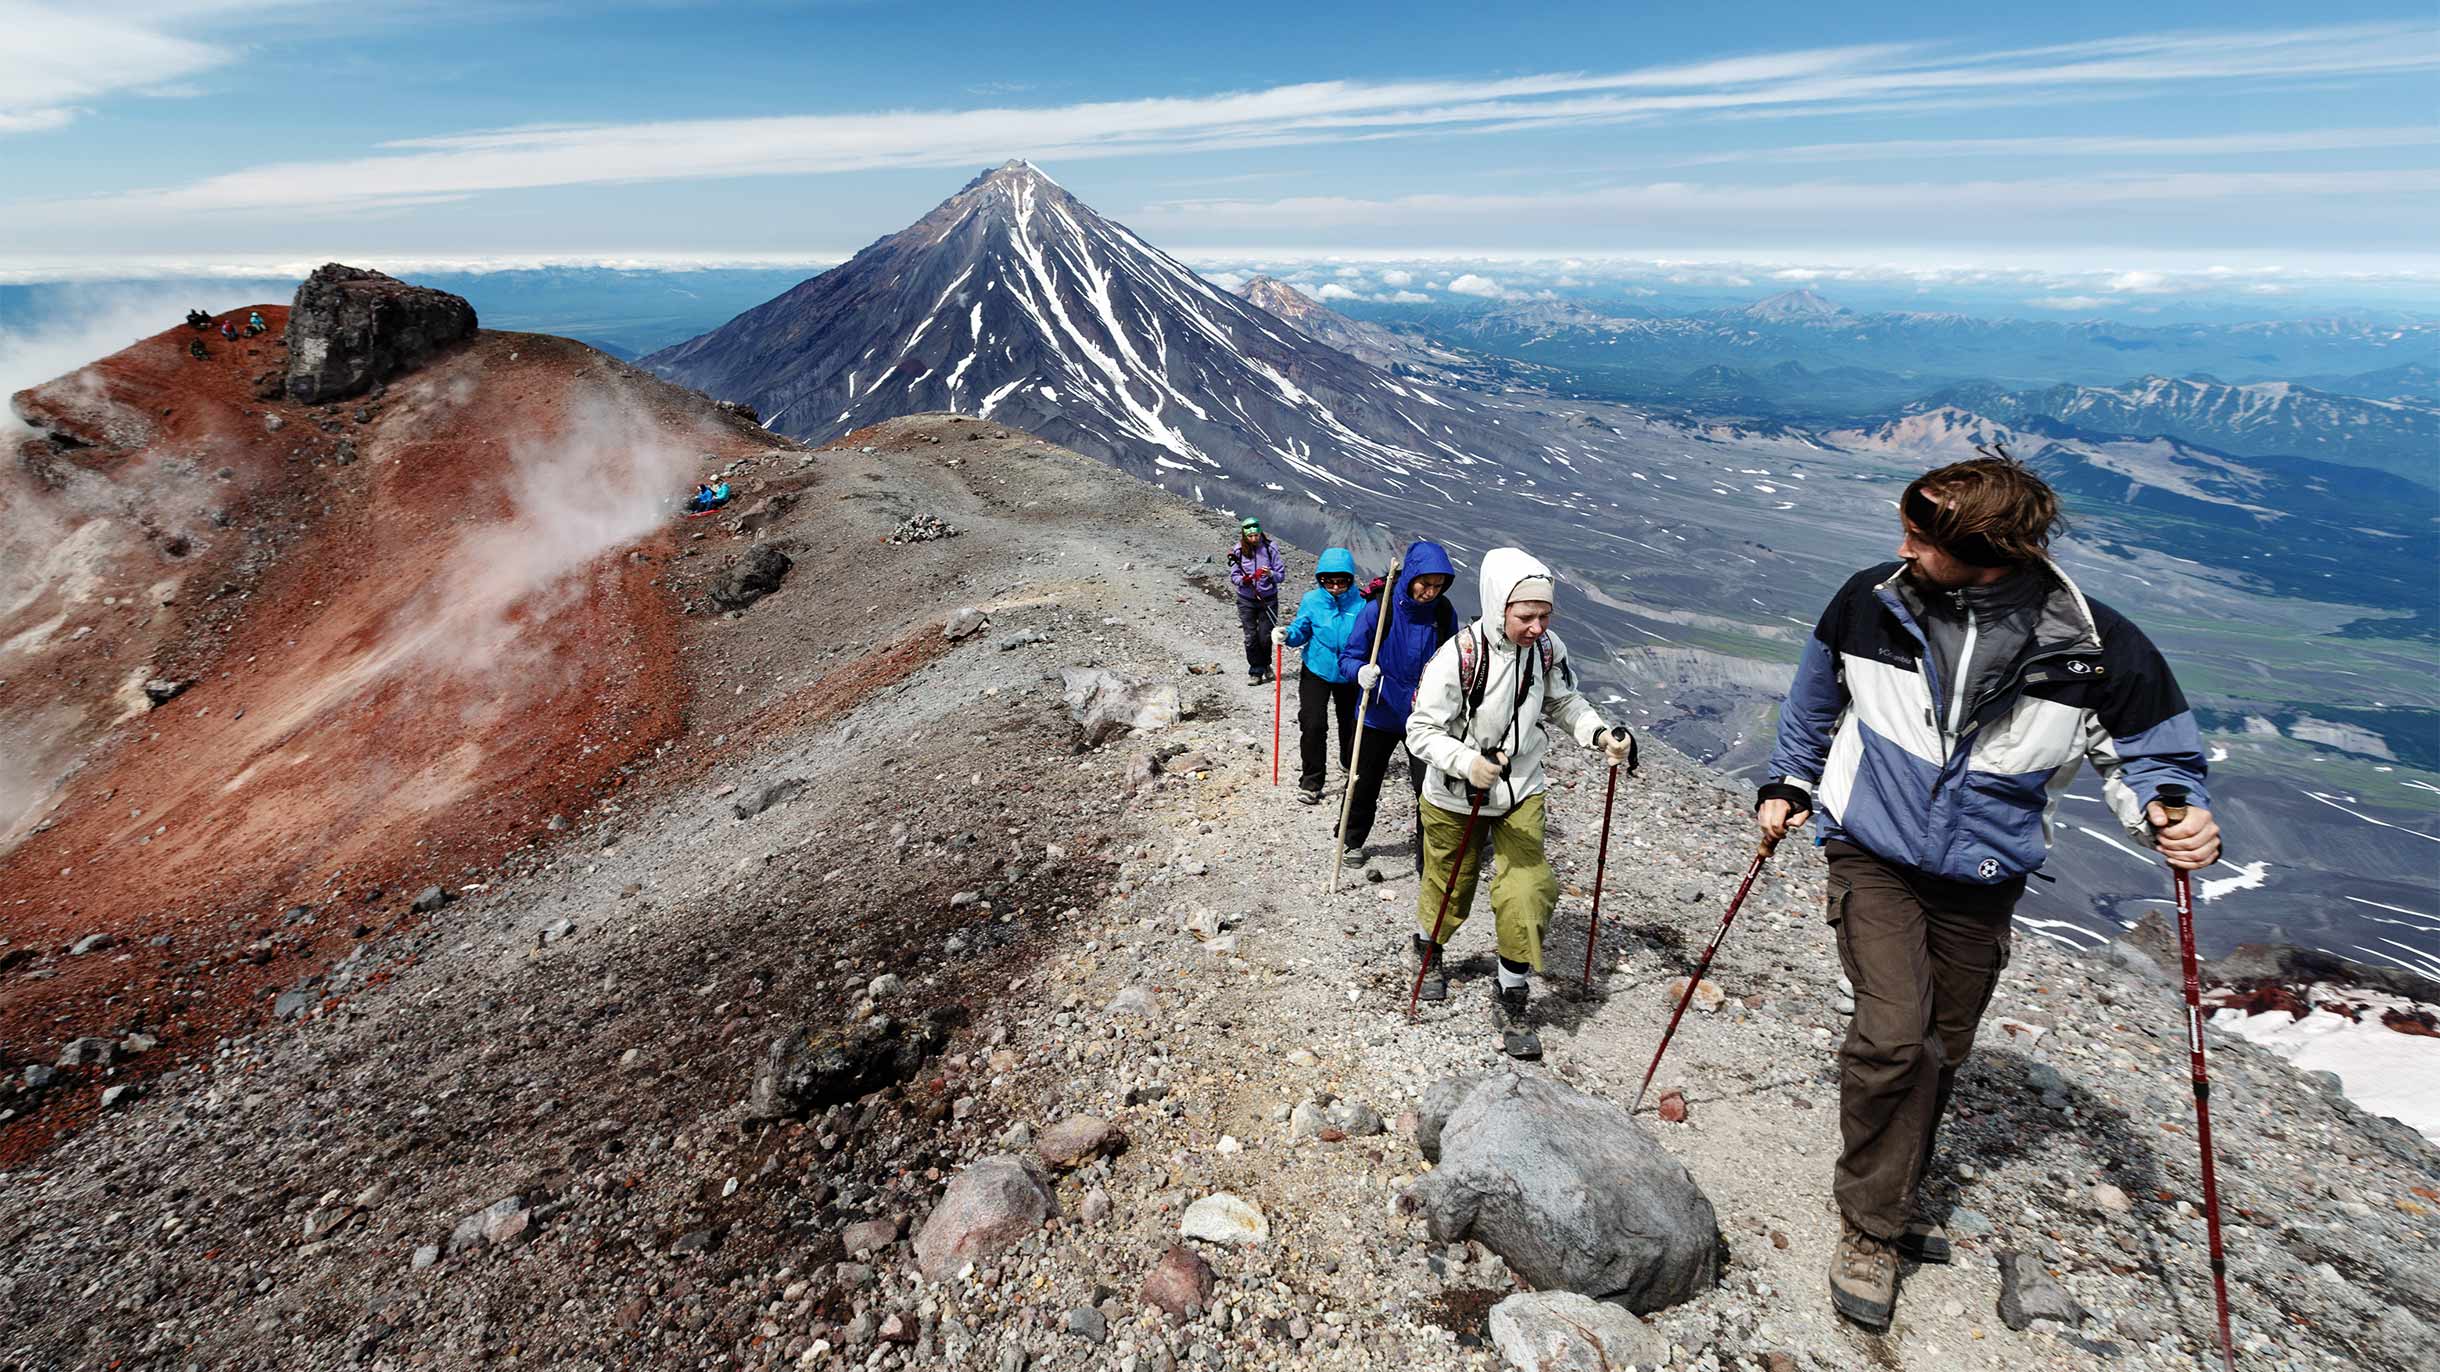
<point>1809,716</point>
<point>1300,629</point>
<point>2144,735</point>
<point>1358,647</point>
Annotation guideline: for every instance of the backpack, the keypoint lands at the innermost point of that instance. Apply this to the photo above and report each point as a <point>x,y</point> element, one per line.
<point>1472,679</point>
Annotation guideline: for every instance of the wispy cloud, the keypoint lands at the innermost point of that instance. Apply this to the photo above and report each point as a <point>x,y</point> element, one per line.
<point>1807,81</point>
<point>58,62</point>
<point>2206,145</point>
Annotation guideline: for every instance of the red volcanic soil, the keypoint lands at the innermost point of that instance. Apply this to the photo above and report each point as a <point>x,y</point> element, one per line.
<point>407,654</point>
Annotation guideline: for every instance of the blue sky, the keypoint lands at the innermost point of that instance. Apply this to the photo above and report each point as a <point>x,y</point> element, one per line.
<point>2087,144</point>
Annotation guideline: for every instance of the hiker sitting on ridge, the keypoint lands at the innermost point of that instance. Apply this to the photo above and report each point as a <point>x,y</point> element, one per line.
<point>254,323</point>
<point>1940,708</point>
<point>1255,568</point>
<point>197,319</point>
<point>1478,722</point>
<point>1420,620</point>
<point>1323,688</point>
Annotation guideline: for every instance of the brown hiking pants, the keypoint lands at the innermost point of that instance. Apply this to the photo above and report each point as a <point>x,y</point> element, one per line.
<point>1925,954</point>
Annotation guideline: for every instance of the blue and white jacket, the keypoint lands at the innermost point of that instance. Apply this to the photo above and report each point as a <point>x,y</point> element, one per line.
<point>1861,739</point>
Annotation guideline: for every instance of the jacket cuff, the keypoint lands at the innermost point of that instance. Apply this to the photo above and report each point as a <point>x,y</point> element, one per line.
<point>1794,793</point>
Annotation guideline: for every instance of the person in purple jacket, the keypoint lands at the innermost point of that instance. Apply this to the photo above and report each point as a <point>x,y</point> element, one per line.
<point>1256,569</point>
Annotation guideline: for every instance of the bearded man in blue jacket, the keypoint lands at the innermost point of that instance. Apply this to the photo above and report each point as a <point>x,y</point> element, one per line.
<point>1323,620</point>
<point>1943,704</point>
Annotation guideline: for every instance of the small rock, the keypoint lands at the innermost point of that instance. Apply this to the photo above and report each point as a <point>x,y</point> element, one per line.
<point>869,1236</point>
<point>90,943</point>
<point>1079,1139</point>
<point>1673,1106</point>
<point>292,1004</point>
<point>1180,1282</point>
<point>557,929</point>
<point>1225,1219</point>
<point>2135,1328</point>
<point>1135,1000</point>
<point>886,985</point>
<point>1087,1323</point>
<point>987,1209</point>
<point>432,898</point>
<point>1565,1331</point>
<point>88,1052</point>
<point>897,1328</point>
<point>116,1096</point>
<point>2027,1292</point>
<point>1964,1221</point>
<point>424,1257</point>
<point>1354,1119</point>
<point>500,1223</point>
<point>1708,997</point>
<point>2112,1199</point>
<point>966,623</point>
<point>1096,1206</point>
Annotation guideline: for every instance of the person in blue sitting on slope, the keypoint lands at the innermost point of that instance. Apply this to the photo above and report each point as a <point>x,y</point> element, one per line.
<point>1324,688</point>
<point>1421,619</point>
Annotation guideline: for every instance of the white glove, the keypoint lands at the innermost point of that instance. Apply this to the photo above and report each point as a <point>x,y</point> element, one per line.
<point>1279,638</point>
<point>1481,772</point>
<point>1368,676</point>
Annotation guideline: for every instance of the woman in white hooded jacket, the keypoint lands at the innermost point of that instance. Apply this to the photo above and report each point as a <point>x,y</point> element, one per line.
<point>1477,722</point>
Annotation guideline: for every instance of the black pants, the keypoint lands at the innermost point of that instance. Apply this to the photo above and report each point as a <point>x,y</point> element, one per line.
<point>1373,751</point>
<point>1256,618</point>
<point>1316,701</point>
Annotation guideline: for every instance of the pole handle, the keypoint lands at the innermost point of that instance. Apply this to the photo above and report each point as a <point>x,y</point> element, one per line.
<point>2172,798</point>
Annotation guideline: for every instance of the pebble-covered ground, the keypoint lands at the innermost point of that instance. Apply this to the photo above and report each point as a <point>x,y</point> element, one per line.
<point>526,1133</point>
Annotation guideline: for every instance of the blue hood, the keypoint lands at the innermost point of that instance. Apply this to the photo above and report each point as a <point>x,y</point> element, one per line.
<point>1335,560</point>
<point>1423,558</point>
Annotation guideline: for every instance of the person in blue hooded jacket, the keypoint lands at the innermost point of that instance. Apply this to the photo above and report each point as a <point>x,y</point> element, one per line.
<point>1322,621</point>
<point>1421,619</point>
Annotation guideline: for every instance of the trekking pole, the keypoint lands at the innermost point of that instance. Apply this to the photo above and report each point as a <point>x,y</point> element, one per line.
<point>1279,661</point>
<point>1752,869</point>
<point>1601,864</point>
<point>1355,755</point>
<point>2172,799</point>
<point>1439,921</point>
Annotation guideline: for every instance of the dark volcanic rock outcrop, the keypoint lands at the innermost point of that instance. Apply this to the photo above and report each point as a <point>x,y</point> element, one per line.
<point>350,328</point>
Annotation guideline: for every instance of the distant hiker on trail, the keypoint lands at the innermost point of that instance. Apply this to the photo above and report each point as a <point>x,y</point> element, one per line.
<point>1942,705</point>
<point>1256,568</point>
<point>1477,721</point>
<point>254,323</point>
<point>1421,619</point>
<point>1324,688</point>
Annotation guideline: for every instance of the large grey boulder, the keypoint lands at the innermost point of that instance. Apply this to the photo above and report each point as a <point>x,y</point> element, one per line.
<point>1567,1188</point>
<point>988,1209</point>
<point>349,328</point>
<point>1562,1331</point>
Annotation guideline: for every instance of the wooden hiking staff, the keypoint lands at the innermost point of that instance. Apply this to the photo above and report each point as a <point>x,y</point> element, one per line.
<point>1355,754</point>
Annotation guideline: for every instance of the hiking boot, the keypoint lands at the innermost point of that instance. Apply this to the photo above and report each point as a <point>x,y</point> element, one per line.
<point>1924,1240</point>
<point>1508,1015</point>
<point>1305,797</point>
<point>1436,974</point>
<point>1863,1277</point>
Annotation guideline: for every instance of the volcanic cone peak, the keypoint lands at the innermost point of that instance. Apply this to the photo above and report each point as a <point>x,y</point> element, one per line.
<point>1015,301</point>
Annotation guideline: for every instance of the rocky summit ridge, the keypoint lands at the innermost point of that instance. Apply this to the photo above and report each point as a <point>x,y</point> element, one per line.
<point>946,986</point>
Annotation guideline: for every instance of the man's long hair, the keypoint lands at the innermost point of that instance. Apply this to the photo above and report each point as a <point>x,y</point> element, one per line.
<point>1997,503</point>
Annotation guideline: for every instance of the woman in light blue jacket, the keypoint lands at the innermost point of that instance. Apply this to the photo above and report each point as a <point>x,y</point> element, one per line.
<point>1324,619</point>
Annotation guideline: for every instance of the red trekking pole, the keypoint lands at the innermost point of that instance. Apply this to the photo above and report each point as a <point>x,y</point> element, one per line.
<point>1440,920</point>
<point>2172,801</point>
<point>1601,864</point>
<point>1752,870</point>
<point>1279,659</point>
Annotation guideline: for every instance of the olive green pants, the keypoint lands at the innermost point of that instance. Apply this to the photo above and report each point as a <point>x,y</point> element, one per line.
<point>1523,889</point>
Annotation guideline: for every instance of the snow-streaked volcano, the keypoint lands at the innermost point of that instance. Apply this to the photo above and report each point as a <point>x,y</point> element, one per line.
<point>1014,301</point>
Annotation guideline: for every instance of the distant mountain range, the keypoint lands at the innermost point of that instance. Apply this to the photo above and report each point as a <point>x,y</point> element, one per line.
<point>2261,419</point>
<point>1928,349</point>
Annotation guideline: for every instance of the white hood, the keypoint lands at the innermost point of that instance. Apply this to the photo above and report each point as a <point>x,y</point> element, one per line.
<point>1503,568</point>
